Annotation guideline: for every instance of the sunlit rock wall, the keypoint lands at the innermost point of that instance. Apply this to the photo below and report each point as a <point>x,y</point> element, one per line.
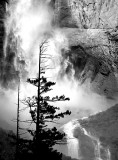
<point>85,14</point>
<point>92,26</point>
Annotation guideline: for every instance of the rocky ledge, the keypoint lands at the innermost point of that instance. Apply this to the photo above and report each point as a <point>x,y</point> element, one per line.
<point>102,129</point>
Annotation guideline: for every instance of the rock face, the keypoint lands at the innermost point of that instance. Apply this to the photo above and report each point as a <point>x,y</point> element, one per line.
<point>94,14</point>
<point>103,126</point>
<point>91,27</point>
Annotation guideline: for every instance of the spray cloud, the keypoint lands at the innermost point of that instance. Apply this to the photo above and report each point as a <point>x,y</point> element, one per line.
<point>27,24</point>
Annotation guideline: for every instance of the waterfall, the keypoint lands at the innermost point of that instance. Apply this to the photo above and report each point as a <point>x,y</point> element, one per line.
<point>97,150</point>
<point>72,142</point>
<point>98,147</point>
<point>108,154</point>
<point>76,139</point>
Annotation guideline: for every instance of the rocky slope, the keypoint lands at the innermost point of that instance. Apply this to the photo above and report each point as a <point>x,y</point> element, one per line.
<point>7,145</point>
<point>103,126</point>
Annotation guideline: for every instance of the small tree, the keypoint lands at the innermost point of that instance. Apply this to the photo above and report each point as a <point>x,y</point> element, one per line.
<point>43,113</point>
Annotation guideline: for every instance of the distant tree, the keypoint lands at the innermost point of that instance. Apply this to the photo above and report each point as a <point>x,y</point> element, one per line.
<point>44,113</point>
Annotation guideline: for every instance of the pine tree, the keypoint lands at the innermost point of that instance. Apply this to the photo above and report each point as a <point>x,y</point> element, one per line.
<point>43,113</point>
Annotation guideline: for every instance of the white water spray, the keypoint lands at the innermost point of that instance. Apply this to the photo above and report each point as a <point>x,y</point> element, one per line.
<point>72,142</point>
<point>28,21</point>
<point>108,154</point>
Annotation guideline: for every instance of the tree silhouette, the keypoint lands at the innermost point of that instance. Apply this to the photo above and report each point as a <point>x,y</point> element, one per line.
<point>43,113</point>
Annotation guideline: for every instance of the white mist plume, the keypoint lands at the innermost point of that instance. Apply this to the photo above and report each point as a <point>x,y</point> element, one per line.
<point>30,21</point>
<point>83,101</point>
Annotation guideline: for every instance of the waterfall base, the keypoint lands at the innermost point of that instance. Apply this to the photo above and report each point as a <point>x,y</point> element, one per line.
<point>83,145</point>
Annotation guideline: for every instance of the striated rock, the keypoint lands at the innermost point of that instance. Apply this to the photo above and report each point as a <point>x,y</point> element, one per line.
<point>94,14</point>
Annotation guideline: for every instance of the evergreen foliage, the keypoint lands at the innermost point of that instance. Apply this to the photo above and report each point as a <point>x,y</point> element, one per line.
<point>47,137</point>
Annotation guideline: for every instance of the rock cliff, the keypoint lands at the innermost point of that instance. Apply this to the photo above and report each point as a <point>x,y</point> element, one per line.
<point>103,126</point>
<point>91,27</point>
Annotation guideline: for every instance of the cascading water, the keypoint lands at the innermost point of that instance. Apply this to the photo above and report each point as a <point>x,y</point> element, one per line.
<point>98,147</point>
<point>72,142</point>
<point>77,141</point>
<point>108,154</point>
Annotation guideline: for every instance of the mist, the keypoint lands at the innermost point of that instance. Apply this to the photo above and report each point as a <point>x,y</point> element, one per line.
<point>27,24</point>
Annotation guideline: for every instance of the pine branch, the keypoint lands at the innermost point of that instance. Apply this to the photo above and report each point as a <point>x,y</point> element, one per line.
<point>40,109</point>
